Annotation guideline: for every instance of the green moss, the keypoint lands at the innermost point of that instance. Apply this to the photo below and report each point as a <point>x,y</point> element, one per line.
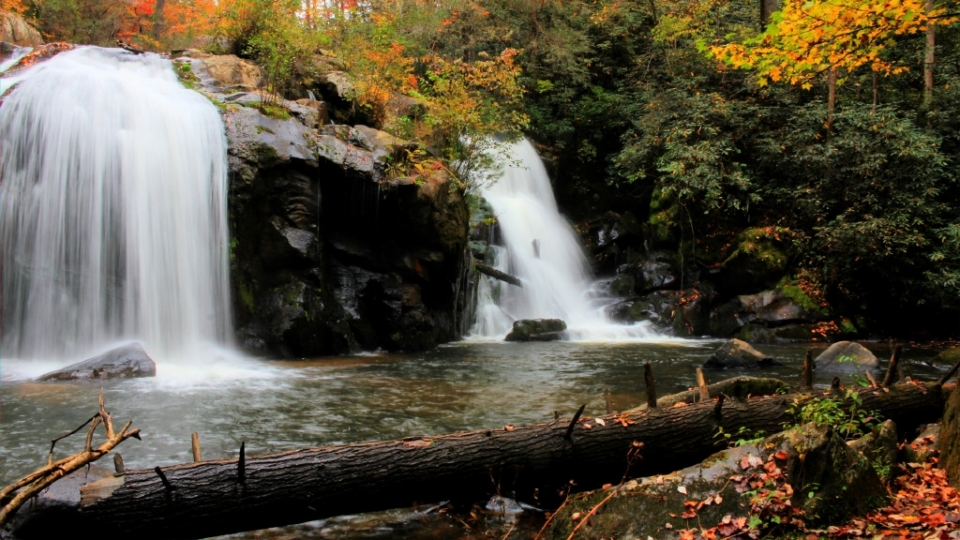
<point>185,73</point>
<point>264,154</point>
<point>264,129</point>
<point>792,290</point>
<point>246,295</point>
<point>273,111</point>
<point>949,356</point>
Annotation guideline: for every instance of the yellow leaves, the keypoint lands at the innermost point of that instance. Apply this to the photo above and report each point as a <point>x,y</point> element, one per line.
<point>809,37</point>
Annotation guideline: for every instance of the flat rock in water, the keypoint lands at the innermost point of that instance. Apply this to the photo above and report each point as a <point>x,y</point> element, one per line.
<point>738,354</point>
<point>537,330</point>
<point>846,357</point>
<point>129,361</point>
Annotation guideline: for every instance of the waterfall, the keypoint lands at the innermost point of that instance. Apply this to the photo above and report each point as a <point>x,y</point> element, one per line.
<point>541,248</point>
<point>113,218</point>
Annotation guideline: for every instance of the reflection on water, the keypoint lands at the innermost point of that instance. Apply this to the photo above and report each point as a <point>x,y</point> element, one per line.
<point>275,406</point>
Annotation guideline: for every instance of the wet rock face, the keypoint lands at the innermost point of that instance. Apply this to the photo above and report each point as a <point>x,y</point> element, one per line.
<point>846,357</point>
<point>767,309</point>
<point>127,362</point>
<point>537,330</point>
<point>738,354</point>
<point>327,257</point>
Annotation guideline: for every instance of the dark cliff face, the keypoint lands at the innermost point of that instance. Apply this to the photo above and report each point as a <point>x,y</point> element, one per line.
<point>326,256</point>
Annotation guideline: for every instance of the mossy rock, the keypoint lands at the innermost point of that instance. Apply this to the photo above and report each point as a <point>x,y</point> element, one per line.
<point>950,439</point>
<point>948,357</point>
<point>537,330</point>
<point>831,482</point>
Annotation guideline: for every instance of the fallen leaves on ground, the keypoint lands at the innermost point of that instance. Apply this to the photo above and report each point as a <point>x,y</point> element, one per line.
<point>922,507</point>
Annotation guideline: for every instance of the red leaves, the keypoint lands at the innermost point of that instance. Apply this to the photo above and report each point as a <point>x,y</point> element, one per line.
<point>923,507</point>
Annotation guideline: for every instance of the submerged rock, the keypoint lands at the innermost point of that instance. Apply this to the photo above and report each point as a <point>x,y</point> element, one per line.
<point>738,354</point>
<point>127,362</point>
<point>846,357</point>
<point>537,330</point>
<point>827,480</point>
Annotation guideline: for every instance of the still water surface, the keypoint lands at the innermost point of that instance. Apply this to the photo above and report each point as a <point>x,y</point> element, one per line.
<point>275,406</point>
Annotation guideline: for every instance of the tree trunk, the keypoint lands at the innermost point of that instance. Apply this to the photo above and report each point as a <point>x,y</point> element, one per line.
<point>496,274</point>
<point>210,498</point>
<point>766,8</point>
<point>158,20</point>
<point>831,96</point>
<point>928,59</point>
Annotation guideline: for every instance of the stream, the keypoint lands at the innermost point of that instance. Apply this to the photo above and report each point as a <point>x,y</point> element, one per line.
<point>281,405</point>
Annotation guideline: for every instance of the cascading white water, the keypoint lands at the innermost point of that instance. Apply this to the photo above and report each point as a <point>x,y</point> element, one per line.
<point>542,249</point>
<point>112,210</point>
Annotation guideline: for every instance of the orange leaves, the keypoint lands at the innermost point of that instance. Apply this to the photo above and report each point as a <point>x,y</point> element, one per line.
<point>809,37</point>
<point>16,6</point>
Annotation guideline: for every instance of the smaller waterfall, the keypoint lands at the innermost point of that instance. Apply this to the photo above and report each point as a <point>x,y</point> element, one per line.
<point>542,249</point>
<point>112,210</point>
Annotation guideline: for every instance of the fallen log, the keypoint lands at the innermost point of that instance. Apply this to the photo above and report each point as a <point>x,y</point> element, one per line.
<point>496,274</point>
<point>737,387</point>
<point>217,497</point>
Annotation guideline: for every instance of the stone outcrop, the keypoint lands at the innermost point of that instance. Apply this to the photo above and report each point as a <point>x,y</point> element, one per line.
<point>537,330</point>
<point>14,29</point>
<point>828,481</point>
<point>227,72</point>
<point>328,256</point>
<point>771,308</point>
<point>126,362</point>
<point>846,357</point>
<point>680,313</point>
<point>738,354</point>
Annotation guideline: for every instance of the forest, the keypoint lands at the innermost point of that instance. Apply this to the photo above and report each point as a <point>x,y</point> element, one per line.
<point>819,150</point>
<point>300,233</point>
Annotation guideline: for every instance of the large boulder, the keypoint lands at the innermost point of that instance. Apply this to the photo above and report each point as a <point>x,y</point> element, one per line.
<point>328,256</point>
<point>846,357</point>
<point>126,362</point>
<point>808,471</point>
<point>949,441</point>
<point>537,330</point>
<point>14,29</point>
<point>771,308</point>
<point>738,354</point>
<point>231,72</point>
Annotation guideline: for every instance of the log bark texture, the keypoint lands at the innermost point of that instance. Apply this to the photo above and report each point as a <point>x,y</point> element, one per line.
<point>210,498</point>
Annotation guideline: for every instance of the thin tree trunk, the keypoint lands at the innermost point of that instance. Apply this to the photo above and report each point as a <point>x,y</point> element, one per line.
<point>928,60</point>
<point>831,97</point>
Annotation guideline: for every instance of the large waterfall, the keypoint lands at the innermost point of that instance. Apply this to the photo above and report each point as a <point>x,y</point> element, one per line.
<point>112,210</point>
<point>542,249</point>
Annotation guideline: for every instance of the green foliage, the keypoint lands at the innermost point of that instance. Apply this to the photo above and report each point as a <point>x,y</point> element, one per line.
<point>845,414</point>
<point>741,437</point>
